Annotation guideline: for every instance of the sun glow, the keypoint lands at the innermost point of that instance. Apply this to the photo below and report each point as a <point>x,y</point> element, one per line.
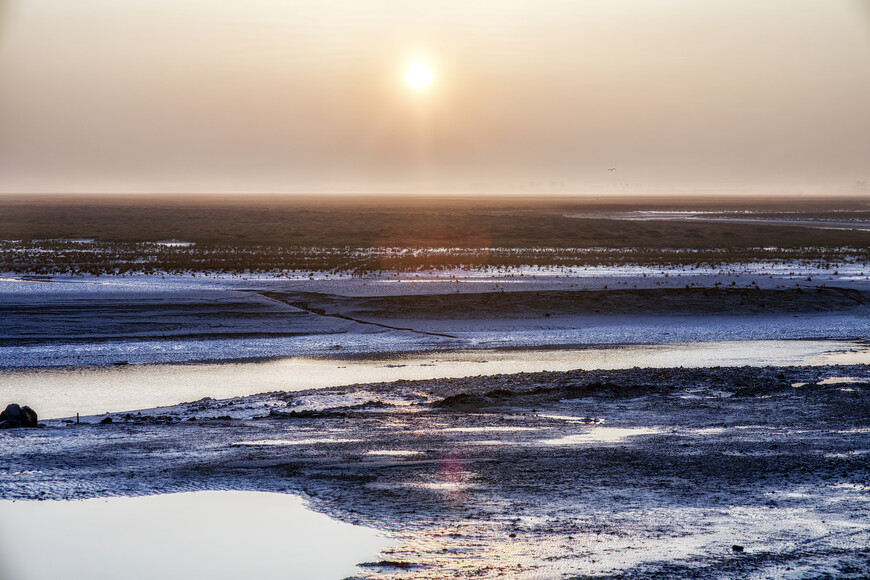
<point>418,75</point>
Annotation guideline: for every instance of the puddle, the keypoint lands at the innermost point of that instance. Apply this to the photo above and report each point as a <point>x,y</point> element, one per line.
<point>572,419</point>
<point>836,381</point>
<point>847,454</point>
<point>709,431</point>
<point>843,380</point>
<point>600,435</point>
<point>441,486</point>
<point>393,453</point>
<point>851,486</point>
<point>281,442</point>
<point>485,429</point>
<point>210,534</point>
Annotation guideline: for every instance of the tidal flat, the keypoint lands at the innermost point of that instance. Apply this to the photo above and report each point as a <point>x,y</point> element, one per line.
<point>685,399</point>
<point>635,473</point>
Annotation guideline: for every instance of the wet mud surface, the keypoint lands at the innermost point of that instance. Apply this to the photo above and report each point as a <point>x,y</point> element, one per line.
<point>535,304</point>
<point>639,473</point>
<point>82,321</point>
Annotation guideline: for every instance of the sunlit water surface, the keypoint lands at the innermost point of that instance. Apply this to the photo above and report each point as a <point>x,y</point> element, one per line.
<point>209,534</point>
<point>63,392</point>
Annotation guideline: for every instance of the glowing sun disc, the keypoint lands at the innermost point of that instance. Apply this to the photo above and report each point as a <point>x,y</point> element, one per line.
<point>419,75</point>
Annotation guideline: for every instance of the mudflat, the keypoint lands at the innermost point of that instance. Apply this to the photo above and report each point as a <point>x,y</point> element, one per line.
<point>364,234</point>
<point>756,471</point>
<point>638,473</point>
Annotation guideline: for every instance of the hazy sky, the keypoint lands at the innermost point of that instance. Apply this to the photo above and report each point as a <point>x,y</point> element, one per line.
<point>279,95</point>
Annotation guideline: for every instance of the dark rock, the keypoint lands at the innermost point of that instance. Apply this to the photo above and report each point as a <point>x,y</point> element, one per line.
<point>737,548</point>
<point>16,416</point>
<point>105,420</point>
<point>12,413</point>
<point>30,418</point>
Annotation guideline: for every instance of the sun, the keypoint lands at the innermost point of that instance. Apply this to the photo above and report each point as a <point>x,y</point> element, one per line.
<point>418,75</point>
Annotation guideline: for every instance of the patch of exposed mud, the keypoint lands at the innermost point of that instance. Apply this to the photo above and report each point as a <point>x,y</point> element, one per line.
<point>671,473</point>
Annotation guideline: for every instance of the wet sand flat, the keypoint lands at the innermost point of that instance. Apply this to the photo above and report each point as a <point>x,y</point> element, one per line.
<point>625,473</point>
<point>102,320</point>
<point>691,471</point>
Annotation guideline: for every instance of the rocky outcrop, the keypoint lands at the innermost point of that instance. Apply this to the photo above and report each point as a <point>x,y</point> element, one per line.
<point>16,416</point>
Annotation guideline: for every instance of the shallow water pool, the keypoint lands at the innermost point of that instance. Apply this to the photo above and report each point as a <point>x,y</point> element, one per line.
<point>209,534</point>
<point>63,392</point>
